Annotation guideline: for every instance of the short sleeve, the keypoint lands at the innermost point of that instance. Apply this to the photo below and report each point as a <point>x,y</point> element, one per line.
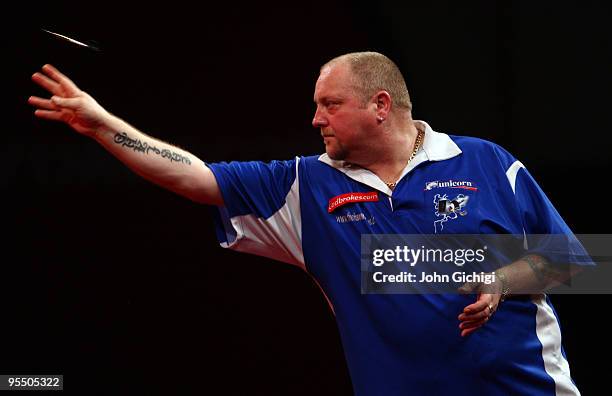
<point>545,230</point>
<point>261,212</point>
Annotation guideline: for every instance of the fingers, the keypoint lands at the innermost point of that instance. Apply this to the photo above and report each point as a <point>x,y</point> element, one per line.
<point>46,109</point>
<point>65,92</point>
<point>51,109</point>
<point>47,83</point>
<point>471,322</point>
<point>469,326</point>
<point>65,82</point>
<point>50,115</point>
<point>41,103</point>
<point>482,303</point>
<point>55,82</point>
<point>467,332</point>
<point>474,323</point>
<point>69,103</point>
<point>476,316</point>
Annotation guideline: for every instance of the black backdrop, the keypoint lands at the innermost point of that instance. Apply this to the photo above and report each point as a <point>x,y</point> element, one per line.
<point>120,285</point>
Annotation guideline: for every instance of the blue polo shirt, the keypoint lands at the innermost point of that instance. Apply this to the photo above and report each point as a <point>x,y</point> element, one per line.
<point>312,211</point>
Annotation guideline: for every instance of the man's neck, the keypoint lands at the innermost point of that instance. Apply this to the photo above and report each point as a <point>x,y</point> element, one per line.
<point>393,154</point>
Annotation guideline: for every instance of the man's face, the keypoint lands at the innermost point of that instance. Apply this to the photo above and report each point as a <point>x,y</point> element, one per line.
<point>341,115</point>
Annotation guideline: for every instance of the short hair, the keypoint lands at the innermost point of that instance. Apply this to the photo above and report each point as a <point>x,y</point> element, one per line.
<point>374,72</point>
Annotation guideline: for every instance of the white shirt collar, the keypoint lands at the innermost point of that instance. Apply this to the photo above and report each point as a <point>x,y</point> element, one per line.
<point>437,146</point>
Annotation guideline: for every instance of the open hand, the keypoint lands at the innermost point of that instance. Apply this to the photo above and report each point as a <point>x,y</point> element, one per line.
<point>68,104</point>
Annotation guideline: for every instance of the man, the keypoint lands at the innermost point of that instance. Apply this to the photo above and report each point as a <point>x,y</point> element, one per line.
<point>382,173</point>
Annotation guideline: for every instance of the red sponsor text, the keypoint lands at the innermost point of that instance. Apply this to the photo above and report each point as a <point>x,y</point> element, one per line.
<point>352,197</point>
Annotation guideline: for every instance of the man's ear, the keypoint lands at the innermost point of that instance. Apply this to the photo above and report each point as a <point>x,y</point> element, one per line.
<point>383,102</point>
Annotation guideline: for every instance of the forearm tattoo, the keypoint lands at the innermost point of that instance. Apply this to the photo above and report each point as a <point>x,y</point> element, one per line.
<point>135,144</point>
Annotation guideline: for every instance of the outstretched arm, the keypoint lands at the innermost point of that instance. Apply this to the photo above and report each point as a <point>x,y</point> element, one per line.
<point>161,163</point>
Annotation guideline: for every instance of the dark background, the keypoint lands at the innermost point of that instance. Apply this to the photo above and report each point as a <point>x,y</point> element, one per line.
<point>121,286</point>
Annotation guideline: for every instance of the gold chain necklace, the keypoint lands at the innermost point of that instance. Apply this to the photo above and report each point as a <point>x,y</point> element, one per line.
<point>417,146</point>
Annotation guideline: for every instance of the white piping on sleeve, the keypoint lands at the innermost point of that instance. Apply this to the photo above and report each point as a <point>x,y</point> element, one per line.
<point>279,236</point>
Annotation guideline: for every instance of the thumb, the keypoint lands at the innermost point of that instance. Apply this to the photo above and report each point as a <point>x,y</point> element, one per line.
<point>70,103</point>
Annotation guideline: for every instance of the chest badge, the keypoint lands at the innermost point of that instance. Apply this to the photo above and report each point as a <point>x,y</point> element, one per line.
<point>447,209</point>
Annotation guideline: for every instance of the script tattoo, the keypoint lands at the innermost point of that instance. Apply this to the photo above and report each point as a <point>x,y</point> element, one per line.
<point>143,147</point>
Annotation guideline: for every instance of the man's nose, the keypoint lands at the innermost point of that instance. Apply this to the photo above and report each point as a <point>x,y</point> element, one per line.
<point>319,120</point>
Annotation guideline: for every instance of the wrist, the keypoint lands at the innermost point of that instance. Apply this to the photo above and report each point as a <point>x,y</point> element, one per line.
<point>107,128</point>
<point>500,277</point>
